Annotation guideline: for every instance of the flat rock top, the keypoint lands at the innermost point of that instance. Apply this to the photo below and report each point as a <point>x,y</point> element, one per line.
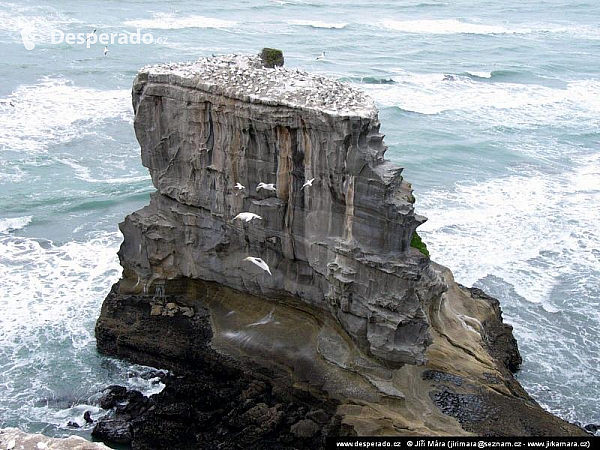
<point>245,78</point>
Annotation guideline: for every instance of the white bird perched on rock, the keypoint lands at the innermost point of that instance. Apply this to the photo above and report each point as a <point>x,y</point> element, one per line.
<point>321,56</point>
<point>247,216</point>
<point>11,444</point>
<point>259,262</point>
<point>308,183</point>
<point>239,186</point>
<point>267,186</point>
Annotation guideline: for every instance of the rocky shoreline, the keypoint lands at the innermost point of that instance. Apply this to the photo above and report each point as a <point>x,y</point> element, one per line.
<point>351,332</point>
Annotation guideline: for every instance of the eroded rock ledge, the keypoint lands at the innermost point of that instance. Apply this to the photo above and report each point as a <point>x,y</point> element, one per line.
<point>352,320</point>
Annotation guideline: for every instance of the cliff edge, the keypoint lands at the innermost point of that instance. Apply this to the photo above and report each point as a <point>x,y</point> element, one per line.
<point>348,319</point>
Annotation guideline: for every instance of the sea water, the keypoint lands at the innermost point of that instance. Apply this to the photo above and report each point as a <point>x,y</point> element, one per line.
<point>492,108</point>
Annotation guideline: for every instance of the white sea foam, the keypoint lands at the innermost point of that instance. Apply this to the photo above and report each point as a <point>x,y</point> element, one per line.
<point>509,104</point>
<point>51,296</point>
<point>165,21</point>
<point>318,24</point>
<point>457,26</point>
<point>447,26</point>
<point>55,111</point>
<point>14,223</point>
<point>480,74</point>
<point>40,20</point>
<point>528,229</point>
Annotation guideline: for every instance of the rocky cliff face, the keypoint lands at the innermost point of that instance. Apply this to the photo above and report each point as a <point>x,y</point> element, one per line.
<point>350,312</point>
<point>340,245</point>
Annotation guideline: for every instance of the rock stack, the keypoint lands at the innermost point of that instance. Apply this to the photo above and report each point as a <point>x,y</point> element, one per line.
<point>352,320</point>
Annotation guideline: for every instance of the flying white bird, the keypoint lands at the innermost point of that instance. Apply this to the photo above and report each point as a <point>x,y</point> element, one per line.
<point>90,35</point>
<point>239,186</point>
<point>308,183</point>
<point>267,186</point>
<point>247,216</point>
<point>259,262</point>
<point>105,50</point>
<point>321,56</point>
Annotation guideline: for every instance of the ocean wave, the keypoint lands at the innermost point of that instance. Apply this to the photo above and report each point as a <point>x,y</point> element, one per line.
<point>480,74</point>
<point>164,21</point>
<point>84,173</point>
<point>507,103</point>
<point>373,80</point>
<point>319,24</point>
<point>447,26</point>
<point>57,111</point>
<point>457,26</point>
<point>14,223</point>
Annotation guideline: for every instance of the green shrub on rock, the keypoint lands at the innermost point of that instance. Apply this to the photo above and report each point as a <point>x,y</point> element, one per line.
<point>271,57</point>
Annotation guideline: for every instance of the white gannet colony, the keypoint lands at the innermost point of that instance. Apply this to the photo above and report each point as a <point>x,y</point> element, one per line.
<point>244,77</point>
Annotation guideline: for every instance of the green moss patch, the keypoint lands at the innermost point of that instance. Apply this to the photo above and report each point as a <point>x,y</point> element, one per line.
<point>417,243</point>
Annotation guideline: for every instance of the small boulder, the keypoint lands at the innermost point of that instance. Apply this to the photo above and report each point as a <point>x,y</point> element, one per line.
<point>112,395</point>
<point>305,428</point>
<point>156,310</point>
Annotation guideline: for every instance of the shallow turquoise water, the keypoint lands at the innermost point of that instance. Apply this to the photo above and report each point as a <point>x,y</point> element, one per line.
<point>493,108</point>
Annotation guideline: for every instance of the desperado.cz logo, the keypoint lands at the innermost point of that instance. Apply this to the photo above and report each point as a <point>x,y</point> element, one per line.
<point>89,39</point>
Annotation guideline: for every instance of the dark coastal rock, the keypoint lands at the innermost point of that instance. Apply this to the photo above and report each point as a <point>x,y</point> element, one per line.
<point>305,428</point>
<point>465,407</point>
<point>354,332</point>
<point>442,376</point>
<point>114,431</point>
<point>111,396</point>
<point>498,336</point>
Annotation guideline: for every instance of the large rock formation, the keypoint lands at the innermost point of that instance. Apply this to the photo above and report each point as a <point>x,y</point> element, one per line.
<point>351,316</point>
